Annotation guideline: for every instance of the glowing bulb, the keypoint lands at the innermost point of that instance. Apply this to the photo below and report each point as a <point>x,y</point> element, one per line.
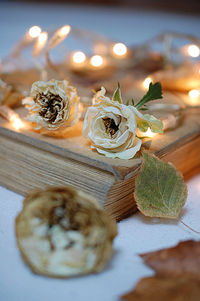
<point>16,122</point>
<point>40,43</point>
<point>119,49</point>
<point>43,37</point>
<point>147,82</point>
<point>193,94</point>
<point>96,60</point>
<point>65,30</point>
<point>149,133</point>
<point>79,57</point>
<point>34,31</point>
<point>193,50</point>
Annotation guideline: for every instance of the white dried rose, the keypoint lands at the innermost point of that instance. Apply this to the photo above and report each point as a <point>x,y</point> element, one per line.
<point>111,127</point>
<point>62,233</point>
<point>52,105</point>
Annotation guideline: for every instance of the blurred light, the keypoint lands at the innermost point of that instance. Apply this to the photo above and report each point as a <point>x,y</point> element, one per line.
<point>65,30</point>
<point>34,31</point>
<point>149,133</point>
<point>16,122</point>
<point>79,57</point>
<point>193,50</point>
<point>119,49</point>
<point>194,94</point>
<point>147,82</point>
<point>96,60</point>
<point>43,37</point>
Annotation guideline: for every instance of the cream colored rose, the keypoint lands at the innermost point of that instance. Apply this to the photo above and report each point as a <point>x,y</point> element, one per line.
<point>52,105</point>
<point>111,127</point>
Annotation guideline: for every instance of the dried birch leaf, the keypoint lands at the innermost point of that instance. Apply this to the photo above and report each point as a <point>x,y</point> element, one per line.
<point>181,259</point>
<point>160,189</point>
<point>165,288</point>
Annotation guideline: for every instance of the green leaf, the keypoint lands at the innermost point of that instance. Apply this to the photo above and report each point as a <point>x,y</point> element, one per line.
<point>117,94</point>
<point>160,190</point>
<point>132,100</point>
<point>127,102</point>
<point>154,92</point>
<point>149,121</point>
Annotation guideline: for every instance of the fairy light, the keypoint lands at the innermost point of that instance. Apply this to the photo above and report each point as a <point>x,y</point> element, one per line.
<point>79,57</point>
<point>147,82</point>
<point>12,117</point>
<point>64,31</point>
<point>34,31</point>
<point>149,133</point>
<point>59,36</point>
<point>194,96</point>
<point>96,60</point>
<point>40,43</point>
<point>119,49</point>
<point>193,50</point>
<point>16,122</point>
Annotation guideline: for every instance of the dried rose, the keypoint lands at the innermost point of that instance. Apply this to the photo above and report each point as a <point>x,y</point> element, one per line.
<point>111,126</point>
<point>62,233</point>
<point>52,105</point>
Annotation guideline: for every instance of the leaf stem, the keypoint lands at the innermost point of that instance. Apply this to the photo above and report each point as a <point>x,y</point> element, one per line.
<point>180,220</point>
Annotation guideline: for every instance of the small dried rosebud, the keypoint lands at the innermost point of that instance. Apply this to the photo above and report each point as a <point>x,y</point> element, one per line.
<point>62,233</point>
<point>52,105</point>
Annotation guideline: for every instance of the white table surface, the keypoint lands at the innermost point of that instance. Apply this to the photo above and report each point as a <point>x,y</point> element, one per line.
<point>137,234</point>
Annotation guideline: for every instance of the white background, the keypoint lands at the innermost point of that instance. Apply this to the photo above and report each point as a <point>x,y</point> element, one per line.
<point>137,234</point>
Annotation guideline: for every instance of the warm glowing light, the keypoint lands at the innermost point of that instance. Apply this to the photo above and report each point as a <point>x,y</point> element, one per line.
<point>16,122</point>
<point>40,43</point>
<point>149,133</point>
<point>193,50</point>
<point>120,49</point>
<point>43,37</point>
<point>194,94</point>
<point>65,30</point>
<point>147,82</point>
<point>79,57</point>
<point>34,31</point>
<point>96,60</point>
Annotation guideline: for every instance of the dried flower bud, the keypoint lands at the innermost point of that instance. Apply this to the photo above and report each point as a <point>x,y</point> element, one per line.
<point>62,233</point>
<point>53,105</point>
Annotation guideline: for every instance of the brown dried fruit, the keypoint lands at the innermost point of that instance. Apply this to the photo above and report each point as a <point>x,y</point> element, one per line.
<point>181,259</point>
<point>62,232</point>
<point>185,288</point>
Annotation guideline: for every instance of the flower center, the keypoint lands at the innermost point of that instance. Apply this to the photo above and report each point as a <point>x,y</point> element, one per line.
<point>110,126</point>
<point>50,104</point>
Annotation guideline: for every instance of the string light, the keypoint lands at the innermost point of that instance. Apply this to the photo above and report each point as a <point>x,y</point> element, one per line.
<point>79,57</point>
<point>149,133</point>
<point>16,122</point>
<point>194,96</point>
<point>96,60</point>
<point>193,50</point>
<point>147,82</point>
<point>12,117</point>
<point>34,31</point>
<point>65,30</point>
<point>59,36</point>
<point>119,49</point>
<point>40,43</point>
